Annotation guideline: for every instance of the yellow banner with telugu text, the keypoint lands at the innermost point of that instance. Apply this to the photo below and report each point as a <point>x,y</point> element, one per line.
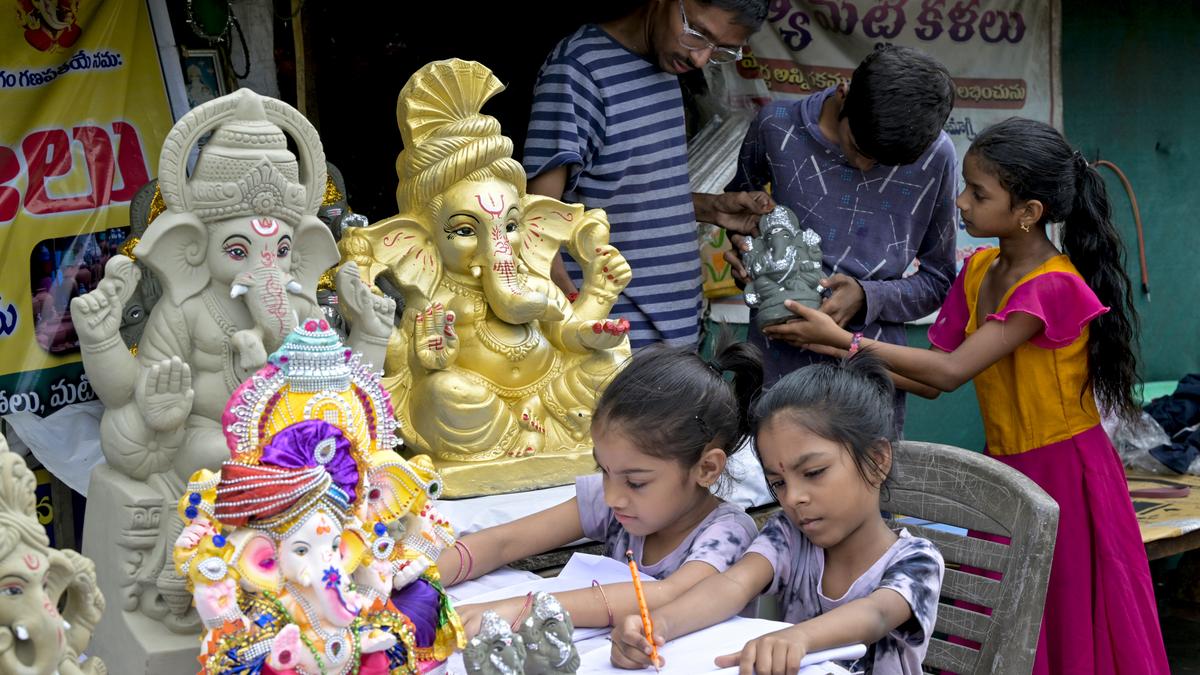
<point>85,113</point>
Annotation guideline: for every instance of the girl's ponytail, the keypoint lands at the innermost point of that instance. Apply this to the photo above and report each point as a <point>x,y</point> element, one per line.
<point>1096,250</point>
<point>743,362</point>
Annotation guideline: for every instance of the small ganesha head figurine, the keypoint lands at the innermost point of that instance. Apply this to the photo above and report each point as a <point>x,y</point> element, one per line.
<point>34,578</point>
<point>548,635</point>
<point>496,650</point>
<point>287,574</point>
<point>784,263</point>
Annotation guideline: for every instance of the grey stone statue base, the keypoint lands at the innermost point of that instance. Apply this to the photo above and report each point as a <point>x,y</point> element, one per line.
<point>119,531</point>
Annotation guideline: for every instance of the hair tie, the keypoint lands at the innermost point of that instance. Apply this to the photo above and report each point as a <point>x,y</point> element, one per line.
<point>1081,162</point>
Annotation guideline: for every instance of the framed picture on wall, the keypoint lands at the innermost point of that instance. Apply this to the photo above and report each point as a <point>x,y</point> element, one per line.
<point>202,75</point>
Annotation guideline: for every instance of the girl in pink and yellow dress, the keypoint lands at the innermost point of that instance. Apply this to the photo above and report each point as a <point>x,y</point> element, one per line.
<point>1045,335</point>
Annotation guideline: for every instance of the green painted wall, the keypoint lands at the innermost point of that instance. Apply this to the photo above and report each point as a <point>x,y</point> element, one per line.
<point>1131,90</point>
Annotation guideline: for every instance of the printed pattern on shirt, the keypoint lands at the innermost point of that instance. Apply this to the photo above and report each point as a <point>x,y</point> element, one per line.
<point>912,567</point>
<point>616,120</point>
<point>718,540</point>
<point>872,224</point>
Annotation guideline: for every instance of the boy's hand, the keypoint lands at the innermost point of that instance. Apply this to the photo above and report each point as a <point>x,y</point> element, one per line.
<point>738,211</point>
<point>777,653</point>
<point>845,300</point>
<point>630,649</point>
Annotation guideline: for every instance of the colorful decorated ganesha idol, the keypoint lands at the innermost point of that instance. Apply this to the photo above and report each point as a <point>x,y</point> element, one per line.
<point>493,370</point>
<point>289,549</point>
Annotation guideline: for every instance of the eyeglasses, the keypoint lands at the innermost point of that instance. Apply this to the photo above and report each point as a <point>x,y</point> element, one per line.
<point>695,41</point>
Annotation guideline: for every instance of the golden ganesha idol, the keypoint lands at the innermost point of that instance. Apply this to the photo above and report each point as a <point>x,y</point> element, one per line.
<point>493,370</point>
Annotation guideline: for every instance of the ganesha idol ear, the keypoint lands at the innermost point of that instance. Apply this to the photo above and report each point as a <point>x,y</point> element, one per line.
<point>256,561</point>
<point>313,252</point>
<point>353,549</point>
<point>399,246</point>
<point>175,248</point>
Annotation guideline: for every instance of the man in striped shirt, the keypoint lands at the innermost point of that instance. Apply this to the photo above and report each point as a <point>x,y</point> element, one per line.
<point>607,131</point>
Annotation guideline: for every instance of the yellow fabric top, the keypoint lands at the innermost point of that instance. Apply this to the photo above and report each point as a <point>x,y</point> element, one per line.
<point>1035,396</point>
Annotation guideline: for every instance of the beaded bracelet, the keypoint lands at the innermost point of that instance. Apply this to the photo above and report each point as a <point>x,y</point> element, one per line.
<point>607,607</point>
<point>854,343</point>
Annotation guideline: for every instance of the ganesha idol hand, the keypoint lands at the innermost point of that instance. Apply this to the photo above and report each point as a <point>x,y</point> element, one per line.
<point>606,273</point>
<point>604,334</point>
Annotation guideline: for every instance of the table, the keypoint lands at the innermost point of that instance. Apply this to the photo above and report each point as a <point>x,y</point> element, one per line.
<point>1169,525</point>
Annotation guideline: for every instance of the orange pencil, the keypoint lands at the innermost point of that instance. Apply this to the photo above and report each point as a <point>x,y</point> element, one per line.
<point>647,624</point>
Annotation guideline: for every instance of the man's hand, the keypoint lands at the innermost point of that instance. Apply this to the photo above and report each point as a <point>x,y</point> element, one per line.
<point>777,653</point>
<point>845,300</point>
<point>733,256</point>
<point>734,211</point>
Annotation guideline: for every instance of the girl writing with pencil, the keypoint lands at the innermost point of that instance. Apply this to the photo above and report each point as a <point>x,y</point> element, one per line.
<point>662,430</point>
<point>824,435</point>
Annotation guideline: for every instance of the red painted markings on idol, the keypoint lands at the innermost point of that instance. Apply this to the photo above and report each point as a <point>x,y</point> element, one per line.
<point>33,562</point>
<point>265,227</point>
<point>491,207</point>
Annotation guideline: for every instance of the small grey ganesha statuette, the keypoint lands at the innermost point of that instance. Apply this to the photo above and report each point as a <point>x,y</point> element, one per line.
<point>548,635</point>
<point>784,263</point>
<point>496,650</point>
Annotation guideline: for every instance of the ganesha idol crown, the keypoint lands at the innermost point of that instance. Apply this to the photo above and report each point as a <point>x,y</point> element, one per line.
<point>311,377</point>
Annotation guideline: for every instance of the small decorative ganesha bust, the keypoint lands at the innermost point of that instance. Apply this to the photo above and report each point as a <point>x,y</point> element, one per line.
<point>496,650</point>
<point>784,263</point>
<point>493,370</point>
<point>34,579</point>
<point>548,635</point>
<point>289,548</point>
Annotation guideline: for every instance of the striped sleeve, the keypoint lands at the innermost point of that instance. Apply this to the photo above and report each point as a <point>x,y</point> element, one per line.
<point>567,122</point>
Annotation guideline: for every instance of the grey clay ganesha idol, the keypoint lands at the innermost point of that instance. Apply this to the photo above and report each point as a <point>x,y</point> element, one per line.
<point>784,263</point>
<point>548,634</point>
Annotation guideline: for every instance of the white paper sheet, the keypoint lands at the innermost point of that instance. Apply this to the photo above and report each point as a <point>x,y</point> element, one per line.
<point>694,654</point>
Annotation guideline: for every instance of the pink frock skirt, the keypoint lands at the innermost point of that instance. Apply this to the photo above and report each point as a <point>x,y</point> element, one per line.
<point>1100,615</point>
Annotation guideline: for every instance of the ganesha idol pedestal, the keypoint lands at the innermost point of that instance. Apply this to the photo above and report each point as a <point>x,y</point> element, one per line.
<point>140,633</point>
<point>493,371</point>
<point>238,251</point>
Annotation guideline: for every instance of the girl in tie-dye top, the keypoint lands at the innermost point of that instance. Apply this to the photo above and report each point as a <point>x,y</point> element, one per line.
<point>662,432</point>
<point>824,435</point>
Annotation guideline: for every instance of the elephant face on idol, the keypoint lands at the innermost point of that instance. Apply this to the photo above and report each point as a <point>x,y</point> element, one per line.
<point>35,639</point>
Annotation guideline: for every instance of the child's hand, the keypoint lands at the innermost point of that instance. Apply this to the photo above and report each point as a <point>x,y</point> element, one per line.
<point>472,615</point>
<point>630,649</point>
<point>777,653</point>
<point>813,327</point>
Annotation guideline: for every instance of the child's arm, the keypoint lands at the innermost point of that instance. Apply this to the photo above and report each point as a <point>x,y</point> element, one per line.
<point>901,382</point>
<point>862,621</point>
<point>945,371</point>
<point>497,546</point>
<point>709,602</point>
<point>590,607</point>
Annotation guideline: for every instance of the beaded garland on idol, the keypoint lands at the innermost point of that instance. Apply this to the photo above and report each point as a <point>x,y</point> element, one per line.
<point>289,548</point>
